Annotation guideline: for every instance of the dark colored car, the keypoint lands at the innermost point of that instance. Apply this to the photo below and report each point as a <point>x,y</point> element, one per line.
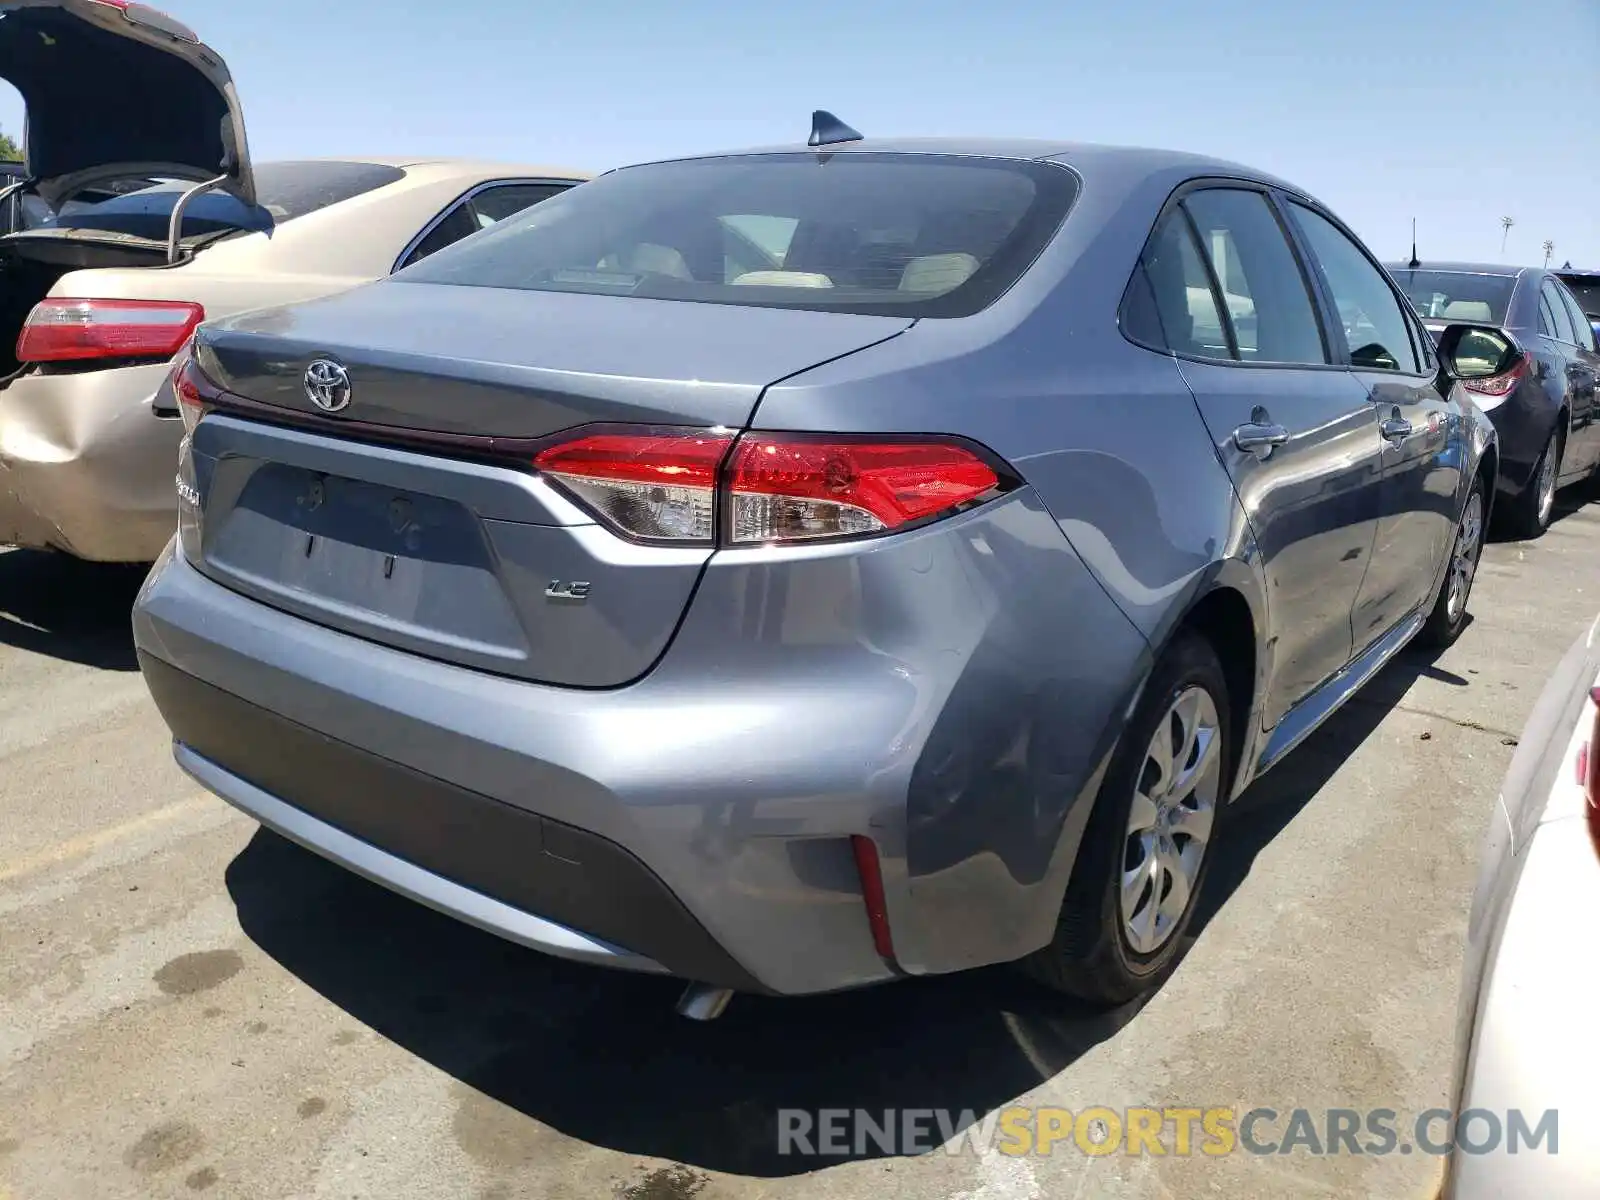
<point>798,569</point>
<point>1544,406</point>
<point>1585,287</point>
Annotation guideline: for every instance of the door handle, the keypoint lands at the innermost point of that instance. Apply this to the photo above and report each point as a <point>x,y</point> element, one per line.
<point>1259,438</point>
<point>1396,429</point>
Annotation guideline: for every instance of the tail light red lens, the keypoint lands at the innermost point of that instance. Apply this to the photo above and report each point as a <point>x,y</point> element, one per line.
<point>785,488</point>
<point>664,485</point>
<point>193,389</point>
<point>71,330</point>
<point>1502,384</point>
<point>658,486</point>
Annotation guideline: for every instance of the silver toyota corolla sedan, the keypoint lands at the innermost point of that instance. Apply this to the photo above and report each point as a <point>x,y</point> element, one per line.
<point>795,569</point>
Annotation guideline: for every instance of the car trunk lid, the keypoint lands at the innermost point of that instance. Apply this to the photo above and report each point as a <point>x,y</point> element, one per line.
<point>78,64</point>
<point>412,515</point>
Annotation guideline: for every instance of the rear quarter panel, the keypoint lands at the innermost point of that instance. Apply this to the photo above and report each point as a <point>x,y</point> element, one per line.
<point>1108,437</point>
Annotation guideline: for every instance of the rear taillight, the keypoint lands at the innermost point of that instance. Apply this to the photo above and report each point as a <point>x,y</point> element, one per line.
<point>68,330</point>
<point>1503,383</point>
<point>194,391</point>
<point>784,488</point>
<point>669,485</point>
<point>655,485</point>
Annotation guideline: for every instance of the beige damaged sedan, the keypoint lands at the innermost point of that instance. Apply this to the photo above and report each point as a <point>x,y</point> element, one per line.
<point>99,298</point>
<point>1527,1058</point>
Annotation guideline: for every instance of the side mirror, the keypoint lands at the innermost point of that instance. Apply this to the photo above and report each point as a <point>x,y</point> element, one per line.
<point>1470,352</point>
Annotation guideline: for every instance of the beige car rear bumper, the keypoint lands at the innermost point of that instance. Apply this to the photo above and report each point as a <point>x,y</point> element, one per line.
<point>85,467</point>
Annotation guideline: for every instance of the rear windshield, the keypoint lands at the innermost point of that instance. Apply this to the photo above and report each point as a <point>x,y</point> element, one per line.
<point>284,191</point>
<point>890,234</point>
<point>1458,295</point>
<point>1587,289</point>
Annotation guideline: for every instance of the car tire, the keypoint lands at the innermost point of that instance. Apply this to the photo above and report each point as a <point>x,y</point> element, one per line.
<point>1449,615</point>
<point>1530,515</point>
<point>1107,950</point>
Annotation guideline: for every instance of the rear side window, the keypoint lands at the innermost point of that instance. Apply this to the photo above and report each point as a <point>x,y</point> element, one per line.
<point>485,207</point>
<point>284,192</point>
<point>1262,286</point>
<point>1561,319</point>
<point>1582,330</point>
<point>1226,283</point>
<point>891,234</point>
<point>1183,296</point>
<point>1464,296</point>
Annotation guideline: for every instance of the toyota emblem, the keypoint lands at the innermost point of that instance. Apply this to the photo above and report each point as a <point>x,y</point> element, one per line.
<point>327,384</point>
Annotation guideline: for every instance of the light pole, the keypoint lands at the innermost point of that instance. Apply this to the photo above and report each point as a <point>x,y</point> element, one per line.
<point>1549,249</point>
<point>1506,223</point>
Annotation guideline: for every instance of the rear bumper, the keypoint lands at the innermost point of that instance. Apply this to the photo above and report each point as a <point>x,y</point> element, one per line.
<point>1523,425</point>
<point>952,694</point>
<point>435,834</point>
<point>84,465</point>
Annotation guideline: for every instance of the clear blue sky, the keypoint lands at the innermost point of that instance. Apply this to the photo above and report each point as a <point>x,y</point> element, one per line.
<point>1456,112</point>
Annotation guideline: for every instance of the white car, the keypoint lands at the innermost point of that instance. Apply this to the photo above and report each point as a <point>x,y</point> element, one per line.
<point>1525,1039</point>
<point>99,298</point>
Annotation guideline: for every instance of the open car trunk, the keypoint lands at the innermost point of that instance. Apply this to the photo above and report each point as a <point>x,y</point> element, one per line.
<point>115,88</point>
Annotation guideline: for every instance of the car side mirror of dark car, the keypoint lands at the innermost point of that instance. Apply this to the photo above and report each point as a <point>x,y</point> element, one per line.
<point>1477,351</point>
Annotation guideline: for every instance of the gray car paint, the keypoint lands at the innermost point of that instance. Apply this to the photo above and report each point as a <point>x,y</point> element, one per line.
<point>956,690</point>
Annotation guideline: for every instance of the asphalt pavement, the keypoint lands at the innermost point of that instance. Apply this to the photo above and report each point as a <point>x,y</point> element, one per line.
<point>191,1007</point>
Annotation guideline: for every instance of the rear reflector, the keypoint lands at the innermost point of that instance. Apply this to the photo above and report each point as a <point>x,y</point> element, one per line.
<point>69,330</point>
<point>663,484</point>
<point>1502,384</point>
<point>872,895</point>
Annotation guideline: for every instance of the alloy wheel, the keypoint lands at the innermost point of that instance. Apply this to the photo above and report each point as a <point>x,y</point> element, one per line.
<point>1548,467</point>
<point>1464,558</point>
<point>1170,823</point>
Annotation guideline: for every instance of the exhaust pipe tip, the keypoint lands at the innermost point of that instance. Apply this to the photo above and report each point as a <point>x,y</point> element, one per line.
<point>702,1002</point>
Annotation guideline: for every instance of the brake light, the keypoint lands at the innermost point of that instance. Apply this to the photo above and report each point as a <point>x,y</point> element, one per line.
<point>666,484</point>
<point>192,388</point>
<point>786,487</point>
<point>69,330</point>
<point>1503,383</point>
<point>657,485</point>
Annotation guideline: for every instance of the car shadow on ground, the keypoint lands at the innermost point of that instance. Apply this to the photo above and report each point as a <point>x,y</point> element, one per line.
<point>68,609</point>
<point>601,1057</point>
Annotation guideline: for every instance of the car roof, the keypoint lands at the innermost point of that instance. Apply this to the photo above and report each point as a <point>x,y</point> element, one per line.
<point>1085,157</point>
<point>1462,268</point>
<point>1573,272</point>
<point>440,167</point>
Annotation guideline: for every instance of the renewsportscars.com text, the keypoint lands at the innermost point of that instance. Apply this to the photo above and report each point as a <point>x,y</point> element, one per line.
<point>1175,1130</point>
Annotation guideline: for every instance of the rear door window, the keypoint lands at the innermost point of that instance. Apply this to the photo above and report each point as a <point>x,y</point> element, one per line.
<point>1376,330</point>
<point>478,211</point>
<point>1547,318</point>
<point>1263,289</point>
<point>1191,321</point>
<point>877,233</point>
<point>1582,331</point>
<point>1561,319</point>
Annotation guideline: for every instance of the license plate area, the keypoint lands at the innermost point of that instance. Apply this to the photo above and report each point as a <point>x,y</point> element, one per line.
<point>379,560</point>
